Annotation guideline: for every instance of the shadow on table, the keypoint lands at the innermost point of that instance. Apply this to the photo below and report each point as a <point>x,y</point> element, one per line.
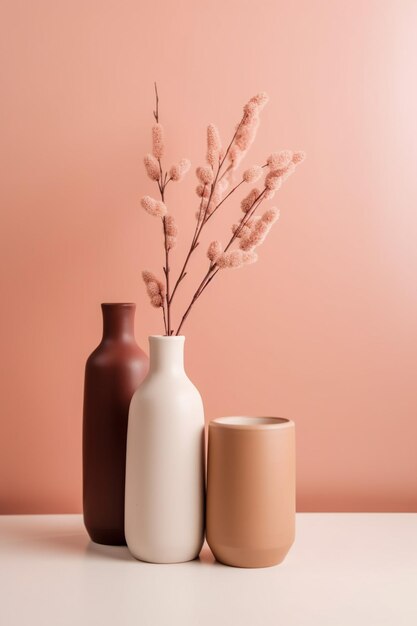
<point>65,540</point>
<point>80,544</point>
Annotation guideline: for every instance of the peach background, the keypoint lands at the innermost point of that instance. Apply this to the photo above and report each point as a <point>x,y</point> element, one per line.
<point>323,329</point>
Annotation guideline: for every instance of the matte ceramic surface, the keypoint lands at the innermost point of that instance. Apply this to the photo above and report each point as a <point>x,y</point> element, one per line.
<point>113,372</point>
<point>164,519</point>
<point>251,490</point>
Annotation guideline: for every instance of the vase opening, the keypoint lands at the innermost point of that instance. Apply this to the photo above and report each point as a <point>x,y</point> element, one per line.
<point>251,422</point>
<point>165,337</point>
<point>118,304</point>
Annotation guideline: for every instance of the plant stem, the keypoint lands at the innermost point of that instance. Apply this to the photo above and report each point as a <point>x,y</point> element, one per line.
<point>225,198</point>
<point>166,271</point>
<point>194,244</point>
<point>205,218</point>
<point>246,218</point>
<point>166,268</point>
<point>165,319</point>
<point>214,269</point>
<point>193,300</point>
<point>162,183</point>
<point>156,111</point>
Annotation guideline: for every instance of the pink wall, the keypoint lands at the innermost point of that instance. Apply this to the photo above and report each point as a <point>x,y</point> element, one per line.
<point>323,329</point>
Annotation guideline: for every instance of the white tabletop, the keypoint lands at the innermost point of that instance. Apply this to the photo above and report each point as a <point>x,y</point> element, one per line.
<point>343,570</point>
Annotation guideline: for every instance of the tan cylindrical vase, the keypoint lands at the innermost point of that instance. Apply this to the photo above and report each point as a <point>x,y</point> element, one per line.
<point>251,490</point>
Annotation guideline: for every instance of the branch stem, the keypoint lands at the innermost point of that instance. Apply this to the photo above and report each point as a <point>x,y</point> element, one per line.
<point>213,268</point>
<point>202,220</point>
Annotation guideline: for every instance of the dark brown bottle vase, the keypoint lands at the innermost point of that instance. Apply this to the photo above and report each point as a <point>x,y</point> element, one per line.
<point>113,373</point>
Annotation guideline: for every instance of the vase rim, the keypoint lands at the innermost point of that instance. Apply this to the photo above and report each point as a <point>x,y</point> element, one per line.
<point>118,304</point>
<point>248,422</point>
<point>166,338</point>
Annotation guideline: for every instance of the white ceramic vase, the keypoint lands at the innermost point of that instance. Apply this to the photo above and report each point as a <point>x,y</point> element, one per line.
<point>164,503</point>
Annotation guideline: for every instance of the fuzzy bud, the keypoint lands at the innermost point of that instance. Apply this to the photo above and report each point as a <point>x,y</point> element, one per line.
<point>250,257</point>
<point>170,242</point>
<point>279,160</point>
<point>256,237</point>
<point>271,215</point>
<point>290,169</point>
<point>236,258</point>
<point>247,128</point>
<point>152,167</point>
<point>214,251</point>
<point>155,288</point>
<point>298,157</point>
<point>156,301</point>
<point>249,200</point>
<point>273,180</point>
<point>205,174</point>
<point>177,172</point>
<point>203,191</point>
<point>158,140</point>
<point>171,231</point>
<point>171,226</point>
<point>252,174</point>
<point>246,134</point>
<point>214,145</point>
<point>241,231</point>
<point>231,259</point>
<point>259,230</point>
<point>154,207</point>
<point>261,99</point>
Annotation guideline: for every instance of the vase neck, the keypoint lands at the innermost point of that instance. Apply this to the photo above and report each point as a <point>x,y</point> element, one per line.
<point>166,354</point>
<point>118,321</point>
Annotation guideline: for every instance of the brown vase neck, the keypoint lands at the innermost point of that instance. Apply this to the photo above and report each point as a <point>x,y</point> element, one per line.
<point>118,321</point>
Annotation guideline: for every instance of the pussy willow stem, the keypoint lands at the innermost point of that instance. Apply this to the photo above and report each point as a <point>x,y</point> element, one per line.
<point>162,183</point>
<point>204,220</point>
<point>214,269</point>
<point>166,268</point>
<point>224,199</point>
<point>193,246</point>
